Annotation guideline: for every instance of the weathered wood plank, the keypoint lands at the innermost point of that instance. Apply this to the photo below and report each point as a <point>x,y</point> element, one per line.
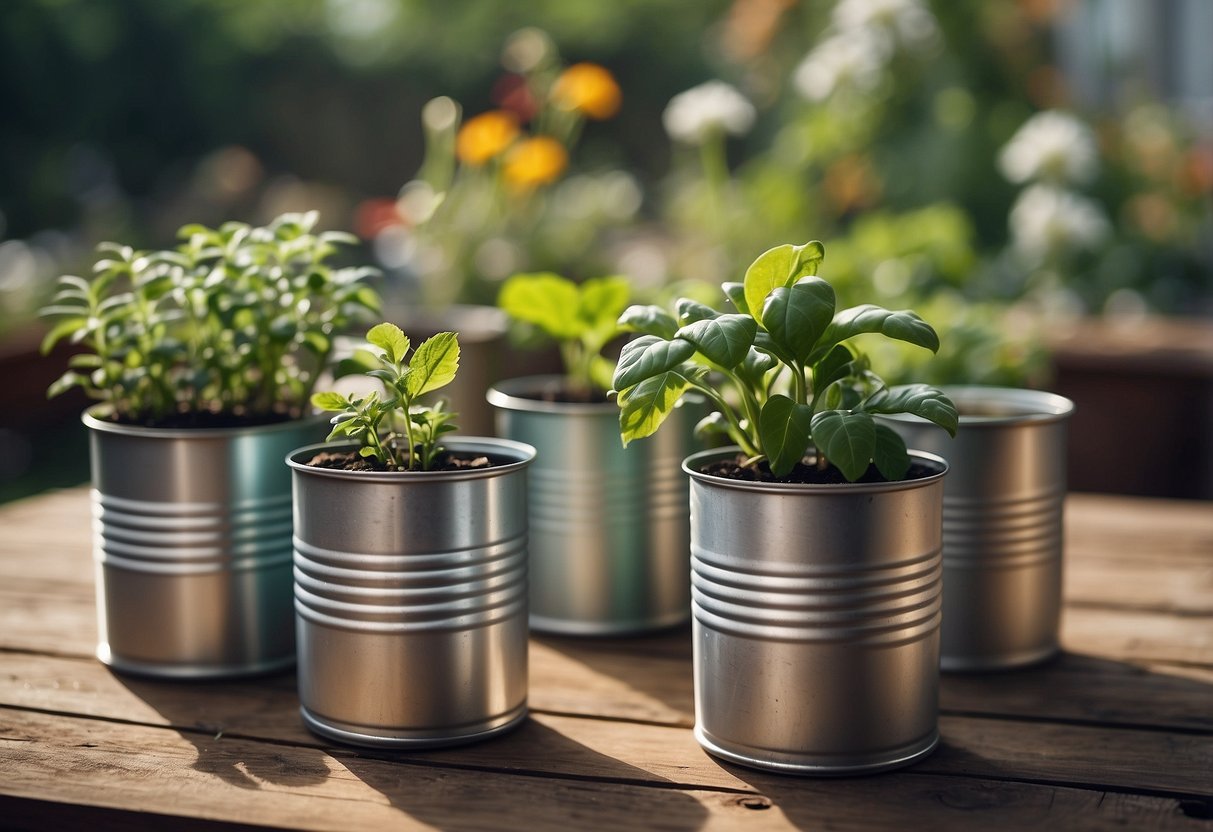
<point>1134,528</point>
<point>269,710</point>
<point>1140,585</point>
<point>86,762</point>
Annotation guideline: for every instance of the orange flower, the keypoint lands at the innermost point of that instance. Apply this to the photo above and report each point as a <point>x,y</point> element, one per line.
<point>589,89</point>
<point>484,137</point>
<point>535,162</point>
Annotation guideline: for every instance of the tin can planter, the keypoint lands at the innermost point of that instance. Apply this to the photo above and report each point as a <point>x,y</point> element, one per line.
<point>816,620</point>
<point>192,547</point>
<point>1003,524</point>
<point>608,525</point>
<point>411,599</point>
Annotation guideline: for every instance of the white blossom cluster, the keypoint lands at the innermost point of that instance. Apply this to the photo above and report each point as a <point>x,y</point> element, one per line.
<point>714,107</point>
<point>863,36</point>
<point>1052,146</point>
<point>1047,220</point>
<point>1052,152</point>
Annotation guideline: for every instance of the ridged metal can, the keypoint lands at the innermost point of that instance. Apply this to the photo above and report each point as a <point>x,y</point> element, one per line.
<point>411,599</point>
<point>1003,511</point>
<point>816,620</point>
<point>609,525</point>
<point>192,547</point>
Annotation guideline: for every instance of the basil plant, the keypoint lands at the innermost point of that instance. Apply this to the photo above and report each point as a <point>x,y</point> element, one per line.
<point>794,385</point>
<point>237,322</point>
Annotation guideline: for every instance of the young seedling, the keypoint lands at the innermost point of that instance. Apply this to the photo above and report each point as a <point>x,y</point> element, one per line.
<point>793,381</point>
<point>396,429</point>
<point>581,318</point>
<point>236,322</point>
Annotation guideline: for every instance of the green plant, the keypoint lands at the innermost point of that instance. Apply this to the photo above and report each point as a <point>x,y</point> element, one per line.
<point>580,317</point>
<point>237,322</point>
<point>795,381</point>
<point>397,430</point>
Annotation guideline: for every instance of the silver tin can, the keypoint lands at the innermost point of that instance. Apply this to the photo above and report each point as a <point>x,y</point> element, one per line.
<point>1003,510</point>
<point>609,526</point>
<point>816,620</point>
<point>411,599</point>
<point>192,547</point>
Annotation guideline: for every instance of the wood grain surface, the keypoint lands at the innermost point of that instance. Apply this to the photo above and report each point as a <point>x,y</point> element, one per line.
<point>1117,733</point>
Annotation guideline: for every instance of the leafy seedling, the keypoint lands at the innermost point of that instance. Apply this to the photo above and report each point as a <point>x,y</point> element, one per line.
<point>793,381</point>
<point>580,317</point>
<point>237,321</point>
<point>395,428</point>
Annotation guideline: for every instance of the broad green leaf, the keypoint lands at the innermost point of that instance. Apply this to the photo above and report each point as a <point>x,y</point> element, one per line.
<point>920,400</point>
<point>362,361</point>
<point>756,365</point>
<point>690,311</point>
<point>735,292</point>
<point>779,266</point>
<point>725,341</point>
<point>433,364</point>
<point>317,342</point>
<point>784,429</point>
<point>890,454</point>
<point>847,439</point>
<point>391,339</point>
<point>644,407</point>
<point>650,320</point>
<point>796,316</point>
<point>711,427</point>
<point>330,401</point>
<point>901,324</point>
<point>601,301</point>
<point>647,356</point>
<point>546,300</point>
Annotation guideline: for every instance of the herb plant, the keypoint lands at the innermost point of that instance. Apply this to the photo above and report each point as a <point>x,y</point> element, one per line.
<point>580,317</point>
<point>793,380</point>
<point>236,323</point>
<point>397,430</point>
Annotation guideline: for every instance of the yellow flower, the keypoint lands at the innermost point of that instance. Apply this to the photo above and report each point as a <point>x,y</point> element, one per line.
<point>535,162</point>
<point>589,89</point>
<point>484,137</point>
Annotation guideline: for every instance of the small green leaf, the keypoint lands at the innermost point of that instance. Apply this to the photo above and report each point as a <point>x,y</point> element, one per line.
<point>796,316</point>
<point>890,454</point>
<point>330,401</point>
<point>712,427</point>
<point>434,364</point>
<point>725,341</point>
<point>644,407</point>
<point>847,439</point>
<point>650,320</point>
<point>690,311</point>
<point>920,400</point>
<point>735,292</point>
<point>779,266</point>
<point>648,356</point>
<point>784,428</point>
<point>391,339</point>
<point>837,364</point>
<point>66,382</point>
<point>546,300</point>
<point>902,325</point>
<point>62,329</point>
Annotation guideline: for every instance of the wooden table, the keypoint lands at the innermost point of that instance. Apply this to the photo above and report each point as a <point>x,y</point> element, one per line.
<point>1118,732</point>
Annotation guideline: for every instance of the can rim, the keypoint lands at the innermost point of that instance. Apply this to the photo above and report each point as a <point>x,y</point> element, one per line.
<point>522,453</point>
<point>93,420</point>
<point>511,394</point>
<point>691,463</point>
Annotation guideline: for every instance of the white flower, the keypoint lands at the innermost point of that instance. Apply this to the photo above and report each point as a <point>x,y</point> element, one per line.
<point>1052,145</point>
<point>845,60</point>
<point>694,115</point>
<point>890,22</point>
<point>1046,220</point>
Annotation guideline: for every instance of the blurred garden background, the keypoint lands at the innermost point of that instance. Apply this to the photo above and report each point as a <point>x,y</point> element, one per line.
<point>1035,177</point>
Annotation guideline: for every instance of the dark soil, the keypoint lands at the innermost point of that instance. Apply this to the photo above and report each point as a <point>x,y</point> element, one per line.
<point>805,473</point>
<point>350,461</point>
<point>206,419</point>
